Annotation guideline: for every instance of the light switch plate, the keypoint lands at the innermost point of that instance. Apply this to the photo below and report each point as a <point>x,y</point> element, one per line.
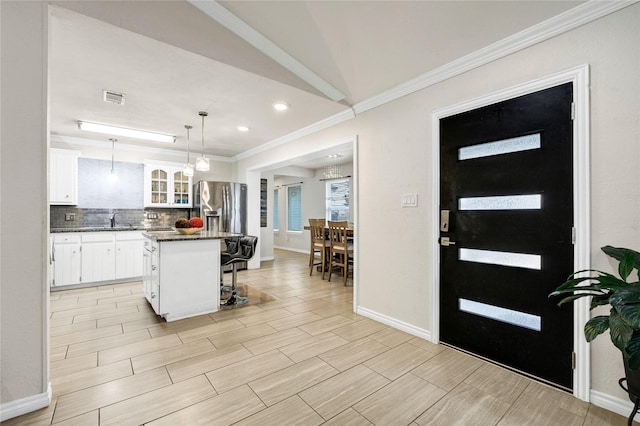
<point>410,200</point>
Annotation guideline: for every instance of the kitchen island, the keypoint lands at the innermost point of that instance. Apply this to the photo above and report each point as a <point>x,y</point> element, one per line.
<point>181,274</point>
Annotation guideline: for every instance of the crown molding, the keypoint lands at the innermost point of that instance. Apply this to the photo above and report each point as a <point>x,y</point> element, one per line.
<point>313,128</point>
<point>552,27</point>
<point>224,17</point>
<point>128,147</point>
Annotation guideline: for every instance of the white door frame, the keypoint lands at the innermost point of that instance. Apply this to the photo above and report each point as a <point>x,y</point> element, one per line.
<point>579,76</point>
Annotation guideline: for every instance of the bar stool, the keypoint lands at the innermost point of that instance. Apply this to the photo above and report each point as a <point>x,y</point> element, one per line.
<point>239,250</point>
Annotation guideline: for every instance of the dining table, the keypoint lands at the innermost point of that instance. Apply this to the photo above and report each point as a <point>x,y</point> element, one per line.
<point>350,230</point>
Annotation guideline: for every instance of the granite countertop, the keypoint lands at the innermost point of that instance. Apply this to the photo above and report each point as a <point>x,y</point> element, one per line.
<point>106,228</point>
<point>175,236</point>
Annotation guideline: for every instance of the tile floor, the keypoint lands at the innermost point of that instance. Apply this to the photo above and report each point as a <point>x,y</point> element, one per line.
<point>296,355</point>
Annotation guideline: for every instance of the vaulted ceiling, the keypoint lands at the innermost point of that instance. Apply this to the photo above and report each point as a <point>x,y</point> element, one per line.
<point>234,59</point>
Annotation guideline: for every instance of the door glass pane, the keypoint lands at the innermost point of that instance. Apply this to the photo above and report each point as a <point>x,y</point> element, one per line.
<point>505,202</point>
<point>504,258</point>
<point>506,146</point>
<point>522,319</point>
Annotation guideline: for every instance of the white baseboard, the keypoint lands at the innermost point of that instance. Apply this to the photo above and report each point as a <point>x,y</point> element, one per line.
<point>292,249</point>
<point>392,322</point>
<point>612,403</point>
<point>11,409</point>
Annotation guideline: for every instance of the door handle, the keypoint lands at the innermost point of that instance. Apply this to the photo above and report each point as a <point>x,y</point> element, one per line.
<point>446,242</point>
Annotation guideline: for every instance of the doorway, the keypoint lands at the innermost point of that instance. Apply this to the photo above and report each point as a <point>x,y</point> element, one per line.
<point>506,213</point>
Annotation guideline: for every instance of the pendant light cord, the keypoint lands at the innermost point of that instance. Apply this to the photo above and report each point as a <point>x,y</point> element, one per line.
<point>187,127</point>
<point>113,144</point>
<point>203,114</point>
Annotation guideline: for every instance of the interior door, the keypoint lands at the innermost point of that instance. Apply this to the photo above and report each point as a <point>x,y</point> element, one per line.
<point>506,197</point>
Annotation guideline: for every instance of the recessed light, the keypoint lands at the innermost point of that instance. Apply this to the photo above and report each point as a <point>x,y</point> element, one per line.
<point>242,128</point>
<point>335,155</point>
<point>281,106</point>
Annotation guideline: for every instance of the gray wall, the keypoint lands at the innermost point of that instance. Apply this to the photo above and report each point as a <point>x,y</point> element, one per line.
<point>24,208</point>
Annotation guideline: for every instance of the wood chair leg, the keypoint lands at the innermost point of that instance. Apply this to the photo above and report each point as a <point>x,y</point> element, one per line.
<point>345,268</point>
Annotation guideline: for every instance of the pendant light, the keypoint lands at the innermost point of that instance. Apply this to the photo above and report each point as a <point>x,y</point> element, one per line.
<point>188,168</point>
<point>112,176</point>
<point>202,162</point>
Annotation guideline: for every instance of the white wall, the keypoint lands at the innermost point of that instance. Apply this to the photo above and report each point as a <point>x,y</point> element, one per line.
<point>23,188</point>
<point>395,154</point>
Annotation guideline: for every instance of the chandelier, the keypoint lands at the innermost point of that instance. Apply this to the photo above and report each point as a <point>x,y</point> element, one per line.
<point>333,170</point>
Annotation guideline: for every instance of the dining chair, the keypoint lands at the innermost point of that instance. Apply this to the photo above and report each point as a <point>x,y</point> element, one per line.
<point>341,251</point>
<point>319,244</point>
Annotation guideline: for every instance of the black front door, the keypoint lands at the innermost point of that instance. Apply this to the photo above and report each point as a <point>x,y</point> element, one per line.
<point>506,199</point>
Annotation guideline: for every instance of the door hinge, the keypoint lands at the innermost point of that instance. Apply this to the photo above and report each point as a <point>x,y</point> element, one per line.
<point>573,110</point>
<point>573,360</point>
<point>573,235</point>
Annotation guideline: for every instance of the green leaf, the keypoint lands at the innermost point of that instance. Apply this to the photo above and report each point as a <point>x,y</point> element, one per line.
<point>618,253</point>
<point>620,331</point>
<point>579,296</point>
<point>626,266</point>
<point>599,301</point>
<point>626,302</point>
<point>595,327</point>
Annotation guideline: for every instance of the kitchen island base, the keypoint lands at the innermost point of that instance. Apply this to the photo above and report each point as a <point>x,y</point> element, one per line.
<point>182,274</point>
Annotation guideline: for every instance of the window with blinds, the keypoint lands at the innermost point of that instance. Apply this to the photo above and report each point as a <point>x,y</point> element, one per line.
<point>294,208</point>
<point>276,210</point>
<point>337,192</point>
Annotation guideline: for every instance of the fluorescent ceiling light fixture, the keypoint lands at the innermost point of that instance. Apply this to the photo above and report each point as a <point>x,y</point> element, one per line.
<point>281,106</point>
<point>123,131</point>
<point>242,128</point>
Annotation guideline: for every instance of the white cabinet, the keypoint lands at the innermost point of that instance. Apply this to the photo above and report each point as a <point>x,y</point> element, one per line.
<point>129,251</point>
<point>93,257</point>
<point>63,176</point>
<point>66,260</point>
<point>151,275</point>
<point>98,256</point>
<point>182,278</point>
<point>166,186</point>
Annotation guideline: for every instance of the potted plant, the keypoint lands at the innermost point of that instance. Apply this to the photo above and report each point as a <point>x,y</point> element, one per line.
<point>622,294</point>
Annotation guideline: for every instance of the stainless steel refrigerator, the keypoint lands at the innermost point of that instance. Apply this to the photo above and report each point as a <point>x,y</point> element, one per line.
<point>221,205</point>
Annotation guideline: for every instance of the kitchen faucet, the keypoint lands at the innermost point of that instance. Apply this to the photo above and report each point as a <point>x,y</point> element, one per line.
<point>112,219</point>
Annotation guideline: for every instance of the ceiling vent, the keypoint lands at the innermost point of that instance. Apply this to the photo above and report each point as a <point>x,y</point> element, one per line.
<point>113,97</point>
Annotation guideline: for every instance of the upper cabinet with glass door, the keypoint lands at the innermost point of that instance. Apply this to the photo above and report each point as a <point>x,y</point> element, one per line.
<point>166,186</point>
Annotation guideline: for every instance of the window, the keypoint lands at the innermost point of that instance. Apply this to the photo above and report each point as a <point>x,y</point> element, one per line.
<point>337,192</point>
<point>276,214</point>
<point>294,208</point>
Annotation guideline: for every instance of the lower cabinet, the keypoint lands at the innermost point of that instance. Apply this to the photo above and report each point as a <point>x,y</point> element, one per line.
<point>94,257</point>
<point>65,260</point>
<point>98,257</point>
<point>128,254</point>
<point>181,279</point>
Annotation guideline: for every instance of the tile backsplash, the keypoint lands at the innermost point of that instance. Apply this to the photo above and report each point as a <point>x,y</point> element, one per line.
<point>90,218</point>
